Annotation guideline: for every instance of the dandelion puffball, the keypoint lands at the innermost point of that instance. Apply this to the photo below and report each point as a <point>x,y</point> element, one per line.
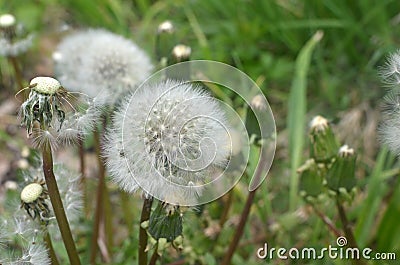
<point>100,64</point>
<point>168,139</point>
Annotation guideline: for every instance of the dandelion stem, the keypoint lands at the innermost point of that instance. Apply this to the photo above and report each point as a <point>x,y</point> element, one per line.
<point>18,75</point>
<point>83,176</point>
<point>58,207</point>
<point>49,245</point>
<point>246,211</point>
<point>239,230</point>
<point>100,199</point>
<point>154,258</point>
<point>347,230</point>
<point>328,222</point>
<point>146,210</point>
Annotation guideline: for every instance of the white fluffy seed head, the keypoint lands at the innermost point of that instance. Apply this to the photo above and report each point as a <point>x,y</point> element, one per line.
<point>31,192</point>
<point>45,85</point>
<point>7,20</point>
<point>390,71</point>
<point>100,64</point>
<point>167,133</point>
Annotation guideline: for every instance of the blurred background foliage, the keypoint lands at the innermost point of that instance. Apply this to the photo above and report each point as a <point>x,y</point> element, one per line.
<point>263,38</point>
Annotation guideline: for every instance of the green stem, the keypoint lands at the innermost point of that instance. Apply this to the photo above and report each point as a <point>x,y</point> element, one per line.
<point>126,210</point>
<point>347,230</point>
<point>58,207</point>
<point>328,222</point>
<point>49,245</point>
<point>246,211</point>
<point>239,230</point>
<point>145,215</point>
<point>83,175</point>
<point>99,198</point>
<point>18,75</point>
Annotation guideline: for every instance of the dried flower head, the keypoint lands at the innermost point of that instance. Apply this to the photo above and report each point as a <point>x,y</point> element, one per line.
<point>167,138</point>
<point>33,199</point>
<point>51,107</point>
<point>103,64</point>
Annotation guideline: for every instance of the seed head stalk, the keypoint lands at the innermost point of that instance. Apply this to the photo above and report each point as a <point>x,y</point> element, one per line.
<point>49,245</point>
<point>58,207</point>
<point>146,210</point>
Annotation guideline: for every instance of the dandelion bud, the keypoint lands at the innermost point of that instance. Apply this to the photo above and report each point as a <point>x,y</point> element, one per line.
<point>341,174</point>
<point>323,144</point>
<point>181,53</point>
<point>165,27</point>
<point>165,40</point>
<point>311,181</point>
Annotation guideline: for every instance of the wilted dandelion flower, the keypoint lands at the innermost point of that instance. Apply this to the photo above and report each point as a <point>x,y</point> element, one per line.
<point>103,64</point>
<point>167,138</point>
<point>51,107</point>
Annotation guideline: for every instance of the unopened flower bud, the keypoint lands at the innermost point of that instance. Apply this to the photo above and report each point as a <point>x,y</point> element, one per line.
<point>342,172</point>
<point>181,53</point>
<point>323,144</point>
<point>311,181</point>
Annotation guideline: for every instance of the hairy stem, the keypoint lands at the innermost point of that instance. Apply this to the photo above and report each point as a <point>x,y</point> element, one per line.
<point>58,207</point>
<point>145,215</point>
<point>49,246</point>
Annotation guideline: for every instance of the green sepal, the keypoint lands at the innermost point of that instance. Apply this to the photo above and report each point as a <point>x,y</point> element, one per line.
<point>165,223</point>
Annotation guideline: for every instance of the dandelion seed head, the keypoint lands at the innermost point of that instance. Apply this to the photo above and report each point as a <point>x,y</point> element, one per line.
<point>37,254</point>
<point>173,133</point>
<point>101,64</point>
<point>17,47</point>
<point>45,85</point>
<point>31,192</point>
<point>390,71</point>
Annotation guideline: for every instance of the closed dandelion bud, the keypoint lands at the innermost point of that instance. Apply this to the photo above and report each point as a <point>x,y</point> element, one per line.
<point>165,40</point>
<point>180,53</point>
<point>323,144</point>
<point>311,181</point>
<point>341,174</point>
